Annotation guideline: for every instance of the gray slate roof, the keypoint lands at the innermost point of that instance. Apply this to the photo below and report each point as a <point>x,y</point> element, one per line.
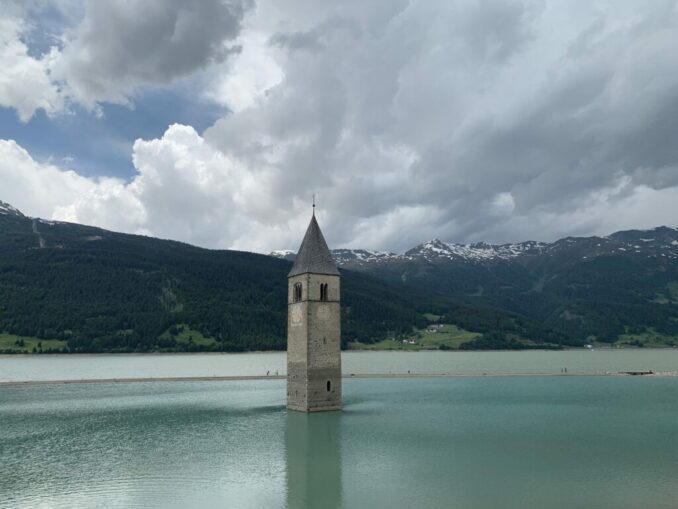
<point>314,255</point>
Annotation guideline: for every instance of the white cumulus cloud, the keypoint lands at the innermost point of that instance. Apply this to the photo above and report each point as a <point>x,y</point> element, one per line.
<point>184,190</point>
<point>187,190</point>
<point>498,120</point>
<point>114,51</point>
<point>25,81</point>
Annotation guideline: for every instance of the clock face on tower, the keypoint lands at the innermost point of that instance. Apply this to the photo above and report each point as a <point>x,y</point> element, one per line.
<point>323,312</point>
<point>295,315</point>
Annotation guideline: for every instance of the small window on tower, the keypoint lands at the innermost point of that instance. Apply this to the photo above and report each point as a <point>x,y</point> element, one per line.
<point>329,386</point>
<point>297,292</point>
<point>323,291</point>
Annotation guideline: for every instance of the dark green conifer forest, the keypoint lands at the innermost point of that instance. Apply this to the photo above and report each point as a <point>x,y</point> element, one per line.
<point>93,290</point>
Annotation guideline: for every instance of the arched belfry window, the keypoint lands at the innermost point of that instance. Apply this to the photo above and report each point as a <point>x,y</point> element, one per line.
<point>296,297</point>
<point>323,291</point>
<point>329,386</point>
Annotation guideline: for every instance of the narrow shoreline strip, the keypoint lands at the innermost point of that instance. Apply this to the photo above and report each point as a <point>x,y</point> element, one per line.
<point>283,377</point>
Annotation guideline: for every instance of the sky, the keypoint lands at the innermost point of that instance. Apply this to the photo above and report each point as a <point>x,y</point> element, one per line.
<point>215,122</point>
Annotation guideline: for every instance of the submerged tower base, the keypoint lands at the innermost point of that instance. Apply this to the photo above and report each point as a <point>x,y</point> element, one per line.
<point>309,393</point>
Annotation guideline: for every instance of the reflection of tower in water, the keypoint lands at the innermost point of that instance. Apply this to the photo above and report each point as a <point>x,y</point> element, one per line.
<point>313,460</point>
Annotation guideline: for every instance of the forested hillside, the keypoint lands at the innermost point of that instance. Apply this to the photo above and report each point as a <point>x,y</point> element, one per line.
<point>98,291</point>
<point>618,288</point>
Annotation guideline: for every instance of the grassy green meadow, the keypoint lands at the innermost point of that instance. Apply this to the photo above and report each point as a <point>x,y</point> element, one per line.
<point>26,344</point>
<point>447,337</point>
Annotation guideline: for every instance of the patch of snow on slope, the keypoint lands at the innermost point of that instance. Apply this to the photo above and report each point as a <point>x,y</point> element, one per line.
<point>479,251</point>
<point>281,253</point>
<point>6,208</point>
<point>342,256</point>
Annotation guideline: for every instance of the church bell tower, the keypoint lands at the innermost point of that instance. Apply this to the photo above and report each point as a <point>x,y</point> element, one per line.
<point>313,327</point>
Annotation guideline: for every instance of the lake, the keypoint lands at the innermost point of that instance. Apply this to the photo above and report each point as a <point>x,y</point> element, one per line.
<point>106,366</point>
<point>468,442</point>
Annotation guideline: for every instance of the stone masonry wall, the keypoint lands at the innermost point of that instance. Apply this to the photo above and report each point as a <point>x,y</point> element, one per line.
<point>314,345</point>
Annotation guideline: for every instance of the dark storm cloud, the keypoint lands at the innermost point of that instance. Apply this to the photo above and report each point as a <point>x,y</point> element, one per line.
<point>121,45</point>
<point>367,92</point>
<point>494,120</point>
<point>609,110</point>
<point>468,110</point>
<point>316,38</point>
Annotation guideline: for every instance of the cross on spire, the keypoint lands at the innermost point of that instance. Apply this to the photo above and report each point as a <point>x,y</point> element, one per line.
<point>314,204</point>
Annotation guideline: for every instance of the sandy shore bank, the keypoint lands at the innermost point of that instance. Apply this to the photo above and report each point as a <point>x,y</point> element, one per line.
<point>345,376</point>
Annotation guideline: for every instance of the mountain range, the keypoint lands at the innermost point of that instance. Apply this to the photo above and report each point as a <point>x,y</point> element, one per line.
<point>620,286</point>
<point>74,288</point>
<point>661,241</point>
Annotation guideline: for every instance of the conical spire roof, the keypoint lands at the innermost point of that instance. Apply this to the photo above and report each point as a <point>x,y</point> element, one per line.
<point>314,256</point>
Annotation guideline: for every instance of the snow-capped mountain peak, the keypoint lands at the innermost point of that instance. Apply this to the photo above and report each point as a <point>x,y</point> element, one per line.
<point>478,251</point>
<point>6,208</point>
<point>658,242</point>
<point>285,254</point>
<point>360,256</point>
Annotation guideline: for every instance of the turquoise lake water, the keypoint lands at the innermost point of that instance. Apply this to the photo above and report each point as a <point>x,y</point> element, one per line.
<point>478,442</point>
<point>69,367</point>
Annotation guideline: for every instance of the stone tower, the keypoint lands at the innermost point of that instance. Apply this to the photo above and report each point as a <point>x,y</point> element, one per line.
<point>313,327</point>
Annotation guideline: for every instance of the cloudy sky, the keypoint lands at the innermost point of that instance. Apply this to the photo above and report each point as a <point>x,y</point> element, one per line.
<point>214,122</point>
